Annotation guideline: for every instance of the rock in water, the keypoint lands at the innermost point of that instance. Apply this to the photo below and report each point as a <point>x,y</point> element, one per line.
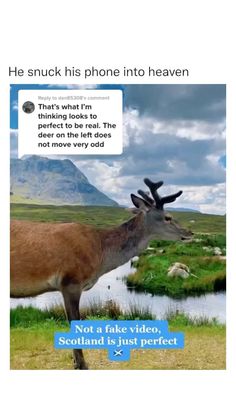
<point>178,270</point>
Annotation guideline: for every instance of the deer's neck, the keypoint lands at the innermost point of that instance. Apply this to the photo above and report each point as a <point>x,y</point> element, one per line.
<point>121,243</point>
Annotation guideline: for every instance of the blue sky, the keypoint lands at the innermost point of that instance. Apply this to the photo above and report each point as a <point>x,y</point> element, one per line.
<point>175,133</point>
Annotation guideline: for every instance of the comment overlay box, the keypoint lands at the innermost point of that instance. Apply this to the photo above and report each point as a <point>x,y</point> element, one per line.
<point>70,122</point>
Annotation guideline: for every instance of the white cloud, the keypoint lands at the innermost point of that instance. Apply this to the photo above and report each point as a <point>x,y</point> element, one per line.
<point>14,105</point>
<point>204,198</point>
<point>107,178</point>
<point>14,143</point>
<point>14,132</point>
<point>104,176</point>
<point>168,156</point>
<point>193,130</point>
<point>175,158</point>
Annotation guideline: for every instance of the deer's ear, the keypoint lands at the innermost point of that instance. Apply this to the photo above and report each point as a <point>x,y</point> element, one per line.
<point>140,203</point>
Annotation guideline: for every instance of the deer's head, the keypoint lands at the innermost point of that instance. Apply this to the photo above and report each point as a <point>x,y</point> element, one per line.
<point>158,222</point>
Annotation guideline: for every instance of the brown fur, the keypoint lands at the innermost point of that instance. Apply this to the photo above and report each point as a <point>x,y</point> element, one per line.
<point>40,251</point>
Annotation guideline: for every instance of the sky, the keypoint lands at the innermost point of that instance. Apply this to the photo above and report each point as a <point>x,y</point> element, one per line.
<point>174,133</point>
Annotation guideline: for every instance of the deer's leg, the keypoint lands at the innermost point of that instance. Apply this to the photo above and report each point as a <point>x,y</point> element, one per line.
<point>71,301</point>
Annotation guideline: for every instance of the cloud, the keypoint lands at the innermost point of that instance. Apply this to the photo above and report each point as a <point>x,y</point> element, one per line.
<point>193,130</point>
<point>14,143</point>
<point>108,179</point>
<point>205,198</point>
<point>172,157</point>
<point>105,176</point>
<point>14,105</point>
<point>178,102</point>
<point>170,152</point>
<point>182,161</point>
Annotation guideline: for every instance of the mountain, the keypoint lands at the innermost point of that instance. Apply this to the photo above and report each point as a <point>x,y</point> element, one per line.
<point>42,180</point>
<point>181,209</point>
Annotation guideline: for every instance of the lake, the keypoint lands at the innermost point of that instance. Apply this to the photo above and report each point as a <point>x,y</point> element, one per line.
<point>111,287</point>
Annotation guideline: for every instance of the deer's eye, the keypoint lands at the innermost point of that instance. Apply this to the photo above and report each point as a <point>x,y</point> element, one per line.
<point>168,218</point>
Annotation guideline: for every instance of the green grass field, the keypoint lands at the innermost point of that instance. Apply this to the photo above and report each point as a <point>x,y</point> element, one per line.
<point>208,272</point>
<point>97,216</point>
<point>109,216</point>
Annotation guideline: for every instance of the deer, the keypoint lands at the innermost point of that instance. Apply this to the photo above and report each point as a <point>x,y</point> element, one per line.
<point>70,257</point>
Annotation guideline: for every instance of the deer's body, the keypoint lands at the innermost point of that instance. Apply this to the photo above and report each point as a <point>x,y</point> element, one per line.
<point>71,254</point>
<point>53,255</point>
<point>70,257</point>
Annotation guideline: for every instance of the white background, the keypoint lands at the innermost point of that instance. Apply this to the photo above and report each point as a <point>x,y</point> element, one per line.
<point>183,33</point>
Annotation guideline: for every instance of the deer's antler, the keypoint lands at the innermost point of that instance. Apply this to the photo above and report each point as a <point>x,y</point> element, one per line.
<point>157,200</point>
<point>146,197</point>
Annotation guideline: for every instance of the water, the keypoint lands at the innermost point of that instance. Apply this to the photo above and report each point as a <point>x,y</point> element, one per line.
<point>110,286</point>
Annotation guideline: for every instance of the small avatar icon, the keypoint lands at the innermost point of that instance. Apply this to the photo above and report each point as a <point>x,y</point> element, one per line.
<point>28,107</point>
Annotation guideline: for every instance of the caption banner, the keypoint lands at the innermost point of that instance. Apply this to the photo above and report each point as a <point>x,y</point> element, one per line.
<point>70,122</point>
<point>119,337</point>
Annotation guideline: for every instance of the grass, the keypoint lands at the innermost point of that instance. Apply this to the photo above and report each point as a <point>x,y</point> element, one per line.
<point>208,272</point>
<point>28,317</point>
<point>93,215</point>
<point>203,223</point>
<point>32,332</point>
<point>180,319</point>
<point>109,216</point>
